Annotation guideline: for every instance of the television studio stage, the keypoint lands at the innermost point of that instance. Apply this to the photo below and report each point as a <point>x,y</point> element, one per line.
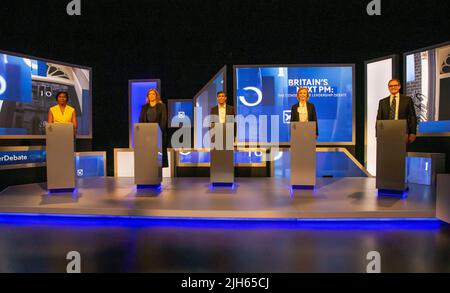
<point>263,197</point>
<point>293,173</point>
<point>195,198</point>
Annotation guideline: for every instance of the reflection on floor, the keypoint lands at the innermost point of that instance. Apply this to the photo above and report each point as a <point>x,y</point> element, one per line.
<point>40,244</point>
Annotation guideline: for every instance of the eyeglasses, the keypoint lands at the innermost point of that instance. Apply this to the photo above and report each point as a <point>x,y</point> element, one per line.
<point>394,85</point>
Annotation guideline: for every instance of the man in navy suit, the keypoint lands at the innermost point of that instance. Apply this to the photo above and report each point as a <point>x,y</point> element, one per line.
<point>399,107</point>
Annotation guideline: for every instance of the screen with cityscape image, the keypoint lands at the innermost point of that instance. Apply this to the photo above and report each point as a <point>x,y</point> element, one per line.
<point>428,84</point>
<point>27,91</point>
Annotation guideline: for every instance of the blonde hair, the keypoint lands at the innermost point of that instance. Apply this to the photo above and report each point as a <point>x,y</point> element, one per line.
<point>303,88</point>
<point>158,97</point>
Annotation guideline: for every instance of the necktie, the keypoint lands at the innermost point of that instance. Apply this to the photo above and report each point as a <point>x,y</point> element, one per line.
<point>393,108</point>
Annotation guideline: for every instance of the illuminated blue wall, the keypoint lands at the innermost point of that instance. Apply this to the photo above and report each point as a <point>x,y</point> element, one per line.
<point>15,76</point>
<point>138,98</point>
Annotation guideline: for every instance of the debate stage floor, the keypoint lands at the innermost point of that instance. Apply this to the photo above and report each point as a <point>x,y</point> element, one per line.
<point>194,198</point>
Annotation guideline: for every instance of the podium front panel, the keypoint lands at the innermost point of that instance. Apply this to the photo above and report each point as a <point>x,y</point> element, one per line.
<point>147,161</point>
<point>222,154</point>
<point>391,155</point>
<point>60,156</point>
<point>222,166</point>
<point>303,153</point>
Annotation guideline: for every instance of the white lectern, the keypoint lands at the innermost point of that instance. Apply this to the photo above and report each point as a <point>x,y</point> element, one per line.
<point>147,158</point>
<point>303,154</point>
<point>60,156</point>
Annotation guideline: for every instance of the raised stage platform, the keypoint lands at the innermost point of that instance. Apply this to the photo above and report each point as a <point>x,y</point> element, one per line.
<point>194,198</point>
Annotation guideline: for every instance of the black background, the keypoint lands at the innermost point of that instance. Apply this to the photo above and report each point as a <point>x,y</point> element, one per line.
<point>184,43</point>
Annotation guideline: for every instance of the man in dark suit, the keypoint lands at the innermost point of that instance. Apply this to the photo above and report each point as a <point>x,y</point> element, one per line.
<point>304,111</point>
<point>222,109</point>
<point>398,107</point>
<point>222,113</point>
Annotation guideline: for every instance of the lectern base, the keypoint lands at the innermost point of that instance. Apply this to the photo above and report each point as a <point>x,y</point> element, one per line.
<point>151,186</point>
<point>223,184</point>
<point>388,192</point>
<point>61,190</point>
<point>303,187</point>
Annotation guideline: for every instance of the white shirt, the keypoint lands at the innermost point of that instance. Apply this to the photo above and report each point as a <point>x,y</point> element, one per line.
<point>397,101</point>
<point>222,114</point>
<point>302,112</point>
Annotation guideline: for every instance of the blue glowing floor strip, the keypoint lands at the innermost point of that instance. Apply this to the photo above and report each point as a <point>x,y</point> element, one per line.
<point>149,187</point>
<point>223,219</point>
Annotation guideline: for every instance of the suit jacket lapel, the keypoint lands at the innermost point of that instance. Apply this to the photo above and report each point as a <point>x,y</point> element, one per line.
<point>387,107</point>
<point>295,114</point>
<point>229,110</point>
<point>145,113</point>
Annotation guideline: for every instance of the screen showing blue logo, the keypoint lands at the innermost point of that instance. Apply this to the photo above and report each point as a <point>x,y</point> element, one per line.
<point>85,165</point>
<point>90,166</point>
<point>272,91</point>
<point>181,112</point>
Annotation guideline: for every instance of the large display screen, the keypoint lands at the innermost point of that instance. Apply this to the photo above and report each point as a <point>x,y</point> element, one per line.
<point>181,112</point>
<point>27,91</point>
<point>427,73</point>
<point>137,98</point>
<point>87,164</point>
<point>266,93</point>
<point>91,164</point>
<point>205,99</point>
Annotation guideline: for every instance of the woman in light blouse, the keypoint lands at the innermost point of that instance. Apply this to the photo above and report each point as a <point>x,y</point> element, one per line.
<point>304,111</point>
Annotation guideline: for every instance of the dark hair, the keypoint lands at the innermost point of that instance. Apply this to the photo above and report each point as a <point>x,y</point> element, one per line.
<point>221,92</point>
<point>395,79</point>
<point>62,92</point>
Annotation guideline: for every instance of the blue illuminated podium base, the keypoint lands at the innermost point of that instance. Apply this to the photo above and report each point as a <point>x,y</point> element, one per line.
<point>394,193</point>
<point>303,187</point>
<point>152,186</point>
<point>223,184</point>
<point>62,190</point>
